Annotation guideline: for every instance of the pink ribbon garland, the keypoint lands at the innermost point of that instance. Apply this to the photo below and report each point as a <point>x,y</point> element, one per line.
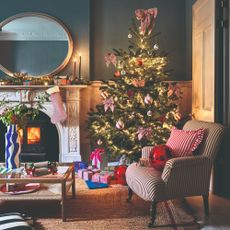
<point>95,156</point>
<point>110,58</point>
<point>144,132</point>
<point>147,19</point>
<point>108,104</point>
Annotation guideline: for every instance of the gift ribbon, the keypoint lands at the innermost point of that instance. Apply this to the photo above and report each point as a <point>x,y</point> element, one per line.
<point>96,156</point>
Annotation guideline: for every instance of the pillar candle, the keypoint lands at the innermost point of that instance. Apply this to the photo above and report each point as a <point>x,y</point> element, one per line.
<point>74,68</point>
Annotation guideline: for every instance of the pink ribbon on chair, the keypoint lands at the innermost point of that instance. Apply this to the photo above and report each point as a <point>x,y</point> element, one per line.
<point>144,132</point>
<point>95,157</point>
<point>108,104</point>
<point>110,58</point>
<point>147,19</point>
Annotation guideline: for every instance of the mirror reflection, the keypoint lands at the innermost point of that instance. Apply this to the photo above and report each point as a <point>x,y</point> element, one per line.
<point>35,44</point>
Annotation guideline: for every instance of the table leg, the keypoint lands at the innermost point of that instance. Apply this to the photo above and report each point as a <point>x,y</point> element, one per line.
<point>73,184</point>
<point>63,201</point>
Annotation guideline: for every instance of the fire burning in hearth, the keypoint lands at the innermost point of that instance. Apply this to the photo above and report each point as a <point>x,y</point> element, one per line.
<point>33,135</point>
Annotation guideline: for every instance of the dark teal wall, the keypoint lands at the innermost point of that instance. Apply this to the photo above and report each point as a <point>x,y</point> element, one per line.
<point>73,13</point>
<point>98,26</point>
<point>109,29</point>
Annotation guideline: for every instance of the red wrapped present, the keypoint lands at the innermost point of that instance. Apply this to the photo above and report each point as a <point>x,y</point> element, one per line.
<point>120,174</point>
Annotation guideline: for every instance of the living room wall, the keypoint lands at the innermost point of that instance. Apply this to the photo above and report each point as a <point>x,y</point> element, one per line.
<point>109,25</point>
<point>98,26</point>
<point>73,13</point>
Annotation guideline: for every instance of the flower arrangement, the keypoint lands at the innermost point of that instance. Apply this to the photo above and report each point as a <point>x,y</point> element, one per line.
<point>19,114</point>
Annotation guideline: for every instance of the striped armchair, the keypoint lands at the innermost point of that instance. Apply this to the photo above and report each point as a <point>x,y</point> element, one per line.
<point>181,177</point>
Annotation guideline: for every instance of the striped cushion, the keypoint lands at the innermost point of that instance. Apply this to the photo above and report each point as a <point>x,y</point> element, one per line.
<point>184,143</point>
<point>13,221</point>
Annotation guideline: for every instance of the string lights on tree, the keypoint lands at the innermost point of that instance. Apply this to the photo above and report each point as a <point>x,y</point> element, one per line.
<point>139,106</point>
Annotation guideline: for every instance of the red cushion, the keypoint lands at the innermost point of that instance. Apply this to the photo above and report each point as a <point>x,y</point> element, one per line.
<point>184,143</point>
<point>159,155</point>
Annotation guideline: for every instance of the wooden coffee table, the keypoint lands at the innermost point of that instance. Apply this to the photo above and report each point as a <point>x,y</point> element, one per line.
<point>53,187</point>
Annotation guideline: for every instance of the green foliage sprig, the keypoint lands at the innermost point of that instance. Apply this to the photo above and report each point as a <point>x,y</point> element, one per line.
<point>22,112</point>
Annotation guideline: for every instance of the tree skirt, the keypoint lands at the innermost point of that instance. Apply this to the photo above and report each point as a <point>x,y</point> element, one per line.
<point>105,209</point>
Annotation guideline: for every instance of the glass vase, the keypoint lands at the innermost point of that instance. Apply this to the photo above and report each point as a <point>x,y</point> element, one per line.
<point>12,147</point>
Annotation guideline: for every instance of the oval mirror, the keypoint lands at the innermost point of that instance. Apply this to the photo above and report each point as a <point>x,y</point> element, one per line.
<point>34,43</point>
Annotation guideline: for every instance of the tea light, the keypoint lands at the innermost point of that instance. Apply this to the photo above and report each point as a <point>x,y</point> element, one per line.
<point>2,83</point>
<point>46,83</point>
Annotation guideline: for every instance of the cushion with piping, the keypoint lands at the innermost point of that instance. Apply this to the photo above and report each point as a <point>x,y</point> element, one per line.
<point>184,142</point>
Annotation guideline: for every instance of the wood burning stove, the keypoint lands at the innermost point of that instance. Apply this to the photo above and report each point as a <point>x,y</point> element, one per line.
<point>39,140</point>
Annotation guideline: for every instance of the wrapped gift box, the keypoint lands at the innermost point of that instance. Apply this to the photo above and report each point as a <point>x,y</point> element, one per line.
<point>87,175</point>
<point>80,173</point>
<point>96,177</point>
<point>80,165</point>
<point>106,178</point>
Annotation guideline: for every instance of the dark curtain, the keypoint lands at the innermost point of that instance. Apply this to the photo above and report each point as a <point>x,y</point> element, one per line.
<point>221,185</point>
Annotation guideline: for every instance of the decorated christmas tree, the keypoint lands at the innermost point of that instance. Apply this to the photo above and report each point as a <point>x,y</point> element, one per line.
<point>139,106</point>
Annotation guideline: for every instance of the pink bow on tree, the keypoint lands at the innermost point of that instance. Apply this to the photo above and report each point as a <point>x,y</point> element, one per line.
<point>147,19</point>
<point>108,104</point>
<point>110,58</point>
<point>144,132</point>
<point>174,89</point>
<point>96,158</point>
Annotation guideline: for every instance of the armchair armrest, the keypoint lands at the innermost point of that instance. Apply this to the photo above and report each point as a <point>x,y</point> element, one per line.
<point>186,166</point>
<point>189,161</point>
<point>146,151</point>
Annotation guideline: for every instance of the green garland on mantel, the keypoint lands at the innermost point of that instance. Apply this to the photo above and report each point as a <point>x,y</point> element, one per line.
<point>25,79</point>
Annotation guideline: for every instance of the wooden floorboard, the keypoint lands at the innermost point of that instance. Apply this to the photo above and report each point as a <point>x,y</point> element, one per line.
<point>219,218</point>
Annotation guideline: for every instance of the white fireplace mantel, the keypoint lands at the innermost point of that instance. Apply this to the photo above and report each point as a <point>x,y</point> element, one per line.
<point>68,131</point>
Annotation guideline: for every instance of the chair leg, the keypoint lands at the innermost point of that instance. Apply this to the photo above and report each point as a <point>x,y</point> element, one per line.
<point>206,204</point>
<point>153,214</point>
<point>130,194</point>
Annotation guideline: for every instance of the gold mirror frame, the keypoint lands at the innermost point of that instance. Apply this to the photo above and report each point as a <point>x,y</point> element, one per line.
<point>46,16</point>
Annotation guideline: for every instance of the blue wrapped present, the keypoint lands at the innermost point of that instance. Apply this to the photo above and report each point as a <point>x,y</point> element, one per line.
<point>80,165</point>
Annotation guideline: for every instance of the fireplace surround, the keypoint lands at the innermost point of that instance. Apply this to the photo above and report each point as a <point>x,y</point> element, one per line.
<point>68,131</point>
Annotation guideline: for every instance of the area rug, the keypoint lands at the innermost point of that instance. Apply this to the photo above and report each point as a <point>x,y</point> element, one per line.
<point>107,209</point>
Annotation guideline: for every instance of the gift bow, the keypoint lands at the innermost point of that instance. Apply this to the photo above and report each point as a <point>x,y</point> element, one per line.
<point>110,58</point>
<point>147,19</point>
<point>96,155</point>
<point>108,104</point>
<point>143,132</point>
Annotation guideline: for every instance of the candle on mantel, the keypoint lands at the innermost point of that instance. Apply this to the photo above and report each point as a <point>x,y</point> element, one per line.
<point>79,74</point>
<point>74,68</point>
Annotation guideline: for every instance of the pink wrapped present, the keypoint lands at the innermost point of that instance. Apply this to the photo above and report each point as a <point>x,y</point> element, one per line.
<point>105,178</point>
<point>87,175</point>
<point>96,170</point>
<point>80,172</point>
<point>96,177</point>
